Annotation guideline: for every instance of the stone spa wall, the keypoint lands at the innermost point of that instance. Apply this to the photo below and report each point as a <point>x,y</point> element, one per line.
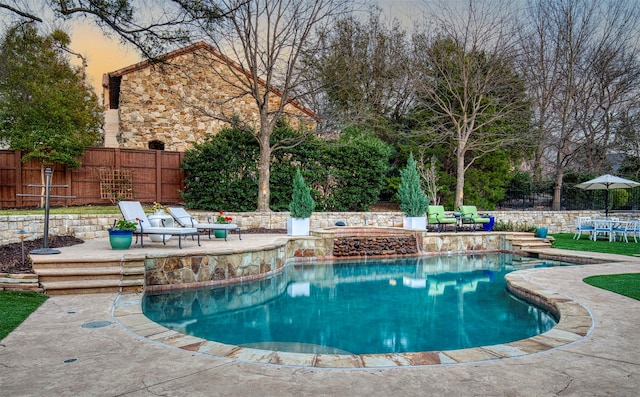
<point>194,270</point>
<point>173,271</point>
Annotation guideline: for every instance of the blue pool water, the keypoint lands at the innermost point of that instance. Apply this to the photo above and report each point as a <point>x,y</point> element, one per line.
<point>360,307</point>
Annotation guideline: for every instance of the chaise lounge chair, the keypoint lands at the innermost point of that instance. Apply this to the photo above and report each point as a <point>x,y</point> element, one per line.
<point>436,216</point>
<point>132,211</point>
<point>183,218</point>
<point>469,215</point>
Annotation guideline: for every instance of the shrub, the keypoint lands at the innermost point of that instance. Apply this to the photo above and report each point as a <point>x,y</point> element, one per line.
<point>343,175</point>
<point>221,172</point>
<point>356,168</point>
<point>509,226</point>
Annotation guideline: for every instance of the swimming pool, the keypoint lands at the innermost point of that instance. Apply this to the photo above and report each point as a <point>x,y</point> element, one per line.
<point>360,307</point>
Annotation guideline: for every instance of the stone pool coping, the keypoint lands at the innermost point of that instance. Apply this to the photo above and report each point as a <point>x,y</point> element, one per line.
<point>575,322</point>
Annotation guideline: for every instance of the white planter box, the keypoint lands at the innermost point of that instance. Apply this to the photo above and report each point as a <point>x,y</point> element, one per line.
<point>414,222</point>
<point>298,226</point>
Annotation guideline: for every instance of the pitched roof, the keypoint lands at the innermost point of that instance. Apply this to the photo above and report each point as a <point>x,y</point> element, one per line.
<point>201,45</point>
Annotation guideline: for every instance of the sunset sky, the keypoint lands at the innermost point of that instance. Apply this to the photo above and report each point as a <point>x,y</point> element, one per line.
<point>103,54</point>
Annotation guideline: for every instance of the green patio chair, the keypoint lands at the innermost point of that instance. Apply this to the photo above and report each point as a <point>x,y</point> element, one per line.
<point>469,215</point>
<point>437,217</point>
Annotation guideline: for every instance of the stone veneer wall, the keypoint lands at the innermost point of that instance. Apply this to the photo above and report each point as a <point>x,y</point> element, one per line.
<point>174,271</point>
<point>166,102</point>
<point>93,226</point>
<point>375,245</point>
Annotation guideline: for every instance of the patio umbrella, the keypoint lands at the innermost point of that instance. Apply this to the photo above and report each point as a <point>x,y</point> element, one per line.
<point>607,182</point>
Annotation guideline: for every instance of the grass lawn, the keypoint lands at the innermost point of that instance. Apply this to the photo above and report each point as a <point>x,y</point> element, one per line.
<point>623,284</point>
<point>86,209</point>
<point>566,241</point>
<point>15,307</point>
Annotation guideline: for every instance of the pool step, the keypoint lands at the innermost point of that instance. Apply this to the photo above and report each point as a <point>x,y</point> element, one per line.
<point>91,286</point>
<point>528,240</point>
<point>83,277</point>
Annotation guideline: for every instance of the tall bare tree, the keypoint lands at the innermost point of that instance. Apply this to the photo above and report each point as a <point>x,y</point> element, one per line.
<point>266,40</point>
<point>581,63</point>
<point>470,96</point>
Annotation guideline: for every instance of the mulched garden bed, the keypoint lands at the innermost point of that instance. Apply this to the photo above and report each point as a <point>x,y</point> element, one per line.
<point>11,254</point>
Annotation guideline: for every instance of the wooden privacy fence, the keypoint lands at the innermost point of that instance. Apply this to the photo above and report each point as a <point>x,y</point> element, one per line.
<point>106,175</point>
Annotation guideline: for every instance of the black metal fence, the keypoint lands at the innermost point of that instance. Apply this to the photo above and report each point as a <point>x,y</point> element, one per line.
<point>573,198</point>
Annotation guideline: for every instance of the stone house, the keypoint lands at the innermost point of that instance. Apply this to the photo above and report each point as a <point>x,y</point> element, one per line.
<point>172,103</point>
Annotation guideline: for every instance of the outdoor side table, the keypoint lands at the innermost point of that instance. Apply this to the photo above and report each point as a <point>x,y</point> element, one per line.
<point>160,220</point>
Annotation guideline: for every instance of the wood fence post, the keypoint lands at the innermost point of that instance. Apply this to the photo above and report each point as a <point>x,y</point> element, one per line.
<point>17,160</point>
<point>116,158</point>
<point>158,176</point>
<point>68,181</point>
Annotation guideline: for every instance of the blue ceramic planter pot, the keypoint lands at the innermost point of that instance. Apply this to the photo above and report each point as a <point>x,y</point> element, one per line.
<point>541,232</point>
<point>220,233</point>
<point>120,239</point>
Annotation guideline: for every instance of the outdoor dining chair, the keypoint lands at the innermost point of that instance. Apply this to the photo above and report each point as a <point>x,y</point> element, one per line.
<point>469,214</point>
<point>584,224</point>
<point>436,216</point>
<point>623,229</point>
<point>602,227</point>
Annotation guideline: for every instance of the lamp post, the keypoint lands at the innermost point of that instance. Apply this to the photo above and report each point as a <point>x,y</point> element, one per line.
<point>22,234</point>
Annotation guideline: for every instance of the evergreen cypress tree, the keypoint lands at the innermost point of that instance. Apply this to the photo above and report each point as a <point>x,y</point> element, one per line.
<point>413,201</point>
<point>302,204</point>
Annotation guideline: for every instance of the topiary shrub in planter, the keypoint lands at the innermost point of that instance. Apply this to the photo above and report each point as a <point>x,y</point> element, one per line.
<point>413,201</point>
<point>301,207</point>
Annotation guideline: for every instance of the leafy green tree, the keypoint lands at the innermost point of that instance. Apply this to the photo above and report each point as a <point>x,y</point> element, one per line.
<point>487,180</point>
<point>628,136</point>
<point>363,70</point>
<point>47,109</point>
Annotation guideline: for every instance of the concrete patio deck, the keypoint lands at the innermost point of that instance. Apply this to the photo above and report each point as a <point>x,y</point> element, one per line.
<point>56,352</point>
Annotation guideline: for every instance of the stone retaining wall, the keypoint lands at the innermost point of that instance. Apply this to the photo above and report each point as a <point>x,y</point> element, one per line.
<point>20,282</point>
<point>92,226</point>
